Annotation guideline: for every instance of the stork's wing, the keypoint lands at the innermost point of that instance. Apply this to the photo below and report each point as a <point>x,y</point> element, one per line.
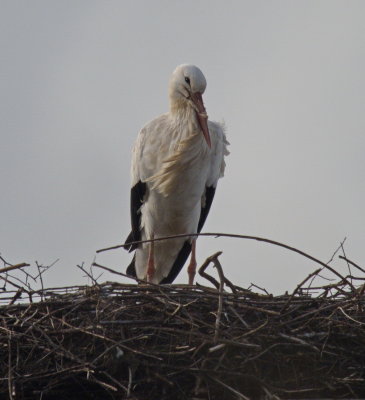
<point>138,192</point>
<point>209,196</point>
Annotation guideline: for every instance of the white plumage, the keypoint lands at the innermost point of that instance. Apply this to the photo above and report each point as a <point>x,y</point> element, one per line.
<point>177,160</point>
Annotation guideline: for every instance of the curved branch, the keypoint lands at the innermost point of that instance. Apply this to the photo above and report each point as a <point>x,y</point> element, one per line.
<point>233,235</point>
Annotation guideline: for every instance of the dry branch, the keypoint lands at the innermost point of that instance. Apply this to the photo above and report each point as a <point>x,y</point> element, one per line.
<point>13,267</point>
<point>237,236</point>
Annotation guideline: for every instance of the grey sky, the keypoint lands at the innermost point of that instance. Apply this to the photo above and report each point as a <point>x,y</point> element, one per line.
<point>78,80</point>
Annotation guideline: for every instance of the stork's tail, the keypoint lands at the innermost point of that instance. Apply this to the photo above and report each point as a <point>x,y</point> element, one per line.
<point>176,267</point>
<point>178,263</point>
<point>131,269</point>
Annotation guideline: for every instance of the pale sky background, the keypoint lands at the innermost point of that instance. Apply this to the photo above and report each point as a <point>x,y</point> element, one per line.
<point>79,79</point>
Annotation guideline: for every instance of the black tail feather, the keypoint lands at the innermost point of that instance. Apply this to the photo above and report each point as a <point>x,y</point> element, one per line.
<point>131,269</point>
<point>130,247</point>
<point>179,263</point>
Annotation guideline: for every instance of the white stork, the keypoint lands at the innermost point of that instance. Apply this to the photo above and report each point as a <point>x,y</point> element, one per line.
<point>176,163</point>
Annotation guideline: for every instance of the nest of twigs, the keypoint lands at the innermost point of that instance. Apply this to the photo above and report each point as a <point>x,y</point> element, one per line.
<point>127,341</point>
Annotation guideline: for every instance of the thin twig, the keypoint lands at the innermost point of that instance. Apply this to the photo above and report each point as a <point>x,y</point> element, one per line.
<point>204,267</point>
<point>337,250</point>
<point>314,273</point>
<point>352,263</point>
<point>231,235</point>
<point>12,267</point>
<point>220,297</point>
<point>230,389</point>
<point>348,316</point>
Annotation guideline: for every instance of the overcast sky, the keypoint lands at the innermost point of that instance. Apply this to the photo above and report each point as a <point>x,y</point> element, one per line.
<point>79,79</point>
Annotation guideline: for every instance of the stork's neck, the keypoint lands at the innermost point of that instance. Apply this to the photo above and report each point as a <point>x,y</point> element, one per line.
<point>183,113</point>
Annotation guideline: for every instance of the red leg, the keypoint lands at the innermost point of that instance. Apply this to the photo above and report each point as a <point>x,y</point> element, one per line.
<point>192,265</point>
<point>151,261</point>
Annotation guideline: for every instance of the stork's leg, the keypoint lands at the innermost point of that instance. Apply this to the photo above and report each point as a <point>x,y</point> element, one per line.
<point>192,264</point>
<point>151,261</point>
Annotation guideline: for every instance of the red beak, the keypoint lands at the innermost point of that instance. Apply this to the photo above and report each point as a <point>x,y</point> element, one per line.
<point>201,115</point>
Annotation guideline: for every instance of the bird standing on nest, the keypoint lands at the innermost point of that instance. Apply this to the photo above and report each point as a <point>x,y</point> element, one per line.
<point>176,163</point>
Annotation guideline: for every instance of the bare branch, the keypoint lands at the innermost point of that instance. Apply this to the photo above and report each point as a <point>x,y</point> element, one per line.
<point>231,235</point>
<point>12,267</point>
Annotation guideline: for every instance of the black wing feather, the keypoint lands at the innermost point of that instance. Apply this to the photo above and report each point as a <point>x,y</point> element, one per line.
<point>138,192</point>
<point>209,196</point>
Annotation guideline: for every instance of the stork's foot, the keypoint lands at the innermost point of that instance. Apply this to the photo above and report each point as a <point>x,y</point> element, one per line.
<point>192,264</point>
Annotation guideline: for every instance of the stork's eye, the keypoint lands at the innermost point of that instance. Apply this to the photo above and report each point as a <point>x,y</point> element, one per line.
<point>187,80</point>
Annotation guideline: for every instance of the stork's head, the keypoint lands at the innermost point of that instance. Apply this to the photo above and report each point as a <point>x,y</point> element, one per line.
<point>187,84</point>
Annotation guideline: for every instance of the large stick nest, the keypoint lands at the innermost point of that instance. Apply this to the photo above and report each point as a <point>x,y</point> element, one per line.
<point>127,341</point>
